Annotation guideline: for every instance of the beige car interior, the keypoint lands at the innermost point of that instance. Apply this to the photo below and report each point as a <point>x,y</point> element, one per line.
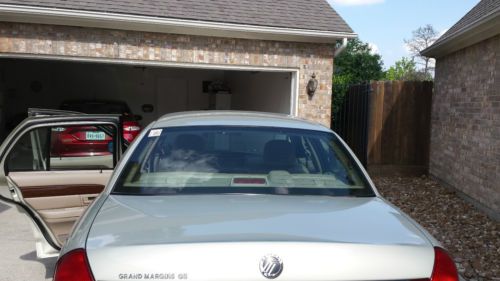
<point>60,197</point>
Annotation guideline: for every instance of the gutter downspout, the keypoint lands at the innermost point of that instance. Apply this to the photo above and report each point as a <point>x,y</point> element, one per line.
<point>341,48</point>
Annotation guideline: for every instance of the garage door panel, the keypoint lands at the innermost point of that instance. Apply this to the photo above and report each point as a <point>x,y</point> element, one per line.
<point>61,220</point>
<point>55,178</point>
<point>59,202</point>
<point>60,190</point>
<point>60,198</point>
<point>60,212</point>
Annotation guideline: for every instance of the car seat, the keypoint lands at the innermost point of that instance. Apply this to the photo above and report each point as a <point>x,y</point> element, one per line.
<point>280,155</point>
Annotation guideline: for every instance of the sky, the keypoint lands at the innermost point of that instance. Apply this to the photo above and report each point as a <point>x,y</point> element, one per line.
<point>384,24</point>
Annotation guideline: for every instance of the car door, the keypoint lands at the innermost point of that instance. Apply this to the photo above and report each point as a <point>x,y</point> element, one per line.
<point>53,167</point>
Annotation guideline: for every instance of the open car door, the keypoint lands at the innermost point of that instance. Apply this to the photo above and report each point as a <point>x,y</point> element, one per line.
<point>53,166</point>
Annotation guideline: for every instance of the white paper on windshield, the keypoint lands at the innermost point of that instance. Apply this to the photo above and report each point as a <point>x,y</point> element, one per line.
<point>154,133</point>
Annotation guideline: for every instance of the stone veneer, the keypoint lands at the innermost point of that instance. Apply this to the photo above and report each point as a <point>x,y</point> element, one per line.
<point>465,140</point>
<point>56,40</point>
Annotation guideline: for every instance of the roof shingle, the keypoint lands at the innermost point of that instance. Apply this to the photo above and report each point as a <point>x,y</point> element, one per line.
<point>298,14</point>
<point>480,11</point>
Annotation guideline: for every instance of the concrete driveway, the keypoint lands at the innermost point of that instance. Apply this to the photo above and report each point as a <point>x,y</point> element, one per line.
<point>18,260</point>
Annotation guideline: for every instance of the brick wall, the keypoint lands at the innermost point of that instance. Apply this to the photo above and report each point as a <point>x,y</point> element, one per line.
<point>309,58</point>
<point>465,138</point>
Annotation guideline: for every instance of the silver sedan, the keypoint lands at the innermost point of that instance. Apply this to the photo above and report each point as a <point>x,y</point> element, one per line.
<point>211,196</point>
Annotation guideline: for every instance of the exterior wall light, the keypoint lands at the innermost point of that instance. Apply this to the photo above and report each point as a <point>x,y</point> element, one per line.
<point>312,85</point>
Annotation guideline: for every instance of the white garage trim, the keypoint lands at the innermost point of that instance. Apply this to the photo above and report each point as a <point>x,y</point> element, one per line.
<point>294,95</point>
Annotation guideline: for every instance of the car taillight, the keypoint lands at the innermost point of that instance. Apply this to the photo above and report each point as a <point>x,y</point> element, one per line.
<point>73,266</point>
<point>131,128</point>
<point>444,267</point>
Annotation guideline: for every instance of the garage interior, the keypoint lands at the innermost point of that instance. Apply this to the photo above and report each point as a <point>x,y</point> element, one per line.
<point>26,83</point>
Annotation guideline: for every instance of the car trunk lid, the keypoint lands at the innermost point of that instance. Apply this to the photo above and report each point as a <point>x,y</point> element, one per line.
<point>224,237</point>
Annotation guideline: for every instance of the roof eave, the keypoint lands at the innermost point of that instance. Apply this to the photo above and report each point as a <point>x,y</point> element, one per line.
<point>484,28</point>
<point>41,15</point>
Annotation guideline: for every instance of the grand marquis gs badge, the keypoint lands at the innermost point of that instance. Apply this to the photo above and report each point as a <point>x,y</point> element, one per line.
<point>271,266</point>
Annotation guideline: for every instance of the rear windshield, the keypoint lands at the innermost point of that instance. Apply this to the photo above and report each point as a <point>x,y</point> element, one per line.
<point>255,160</point>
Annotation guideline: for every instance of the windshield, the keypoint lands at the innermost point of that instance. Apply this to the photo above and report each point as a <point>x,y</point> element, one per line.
<point>231,159</point>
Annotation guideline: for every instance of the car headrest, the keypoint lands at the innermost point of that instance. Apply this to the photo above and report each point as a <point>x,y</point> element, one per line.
<point>279,153</point>
<point>189,142</point>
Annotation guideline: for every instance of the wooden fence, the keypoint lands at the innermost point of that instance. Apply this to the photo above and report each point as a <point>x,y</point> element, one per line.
<point>399,127</point>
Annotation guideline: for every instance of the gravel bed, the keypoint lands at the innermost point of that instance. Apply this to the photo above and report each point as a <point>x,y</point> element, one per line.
<point>472,238</point>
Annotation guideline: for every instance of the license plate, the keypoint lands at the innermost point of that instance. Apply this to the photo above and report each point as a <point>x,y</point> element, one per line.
<point>95,135</point>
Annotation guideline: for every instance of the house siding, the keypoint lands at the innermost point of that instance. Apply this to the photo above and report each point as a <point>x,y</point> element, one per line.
<point>465,138</point>
<point>308,58</point>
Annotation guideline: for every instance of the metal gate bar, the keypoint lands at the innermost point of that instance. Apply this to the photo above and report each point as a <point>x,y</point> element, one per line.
<point>350,122</point>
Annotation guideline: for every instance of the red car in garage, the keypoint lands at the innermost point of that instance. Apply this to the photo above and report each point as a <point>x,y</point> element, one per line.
<point>78,141</point>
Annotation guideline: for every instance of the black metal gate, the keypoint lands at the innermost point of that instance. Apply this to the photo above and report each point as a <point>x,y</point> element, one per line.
<point>350,121</point>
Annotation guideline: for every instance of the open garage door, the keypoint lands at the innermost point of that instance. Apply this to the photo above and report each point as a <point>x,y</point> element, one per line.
<point>149,90</point>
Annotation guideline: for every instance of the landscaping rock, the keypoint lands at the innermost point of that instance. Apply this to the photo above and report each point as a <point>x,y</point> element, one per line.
<point>471,237</point>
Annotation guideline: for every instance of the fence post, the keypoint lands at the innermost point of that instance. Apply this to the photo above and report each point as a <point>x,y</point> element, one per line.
<point>366,119</point>
<point>375,122</point>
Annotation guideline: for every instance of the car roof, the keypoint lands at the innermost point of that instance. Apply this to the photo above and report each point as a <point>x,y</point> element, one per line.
<point>236,118</point>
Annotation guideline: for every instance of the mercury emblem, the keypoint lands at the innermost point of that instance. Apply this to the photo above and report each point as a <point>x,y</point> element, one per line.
<point>271,266</point>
